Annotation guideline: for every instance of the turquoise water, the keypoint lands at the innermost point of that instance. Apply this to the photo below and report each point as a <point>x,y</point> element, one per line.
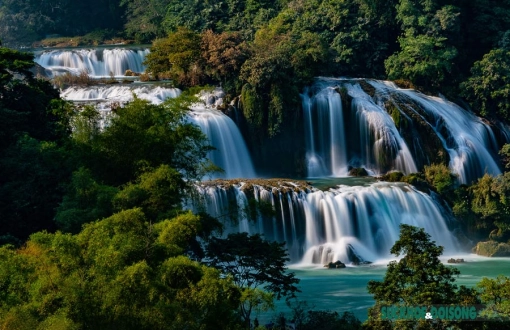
<point>345,289</point>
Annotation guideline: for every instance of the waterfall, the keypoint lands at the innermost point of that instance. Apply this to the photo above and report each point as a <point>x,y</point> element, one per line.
<point>362,136</point>
<point>348,123</point>
<point>469,141</point>
<point>97,62</point>
<point>347,223</point>
<point>106,94</point>
<point>231,153</point>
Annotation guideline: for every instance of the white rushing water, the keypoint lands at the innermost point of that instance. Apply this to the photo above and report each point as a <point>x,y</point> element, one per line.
<point>344,223</point>
<point>96,62</point>
<point>469,141</point>
<point>365,135</point>
<point>362,136</point>
<point>231,153</point>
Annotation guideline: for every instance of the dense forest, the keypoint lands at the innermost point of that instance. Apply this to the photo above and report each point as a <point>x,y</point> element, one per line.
<point>92,230</point>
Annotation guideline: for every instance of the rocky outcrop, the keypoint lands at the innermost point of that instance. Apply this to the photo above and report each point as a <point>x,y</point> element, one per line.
<point>336,264</point>
<point>492,249</point>
<point>357,171</point>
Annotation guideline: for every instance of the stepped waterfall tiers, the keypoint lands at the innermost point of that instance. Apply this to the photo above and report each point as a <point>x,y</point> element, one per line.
<point>97,62</point>
<point>349,223</point>
<point>346,123</point>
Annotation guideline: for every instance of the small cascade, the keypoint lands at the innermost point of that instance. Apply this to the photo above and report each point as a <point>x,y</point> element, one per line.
<point>97,62</point>
<point>104,95</point>
<point>376,125</point>
<point>326,144</point>
<point>348,223</point>
<point>362,135</point>
<point>104,98</point>
<point>469,141</point>
<point>231,153</point>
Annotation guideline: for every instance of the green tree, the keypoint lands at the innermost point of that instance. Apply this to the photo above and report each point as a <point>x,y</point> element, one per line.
<point>178,57</point>
<point>254,264</point>
<point>158,193</point>
<point>440,177</point>
<point>488,88</point>
<point>85,201</point>
<point>419,278</point>
<point>495,293</point>
<point>426,50</point>
<point>144,18</point>
<point>143,136</point>
<point>120,272</point>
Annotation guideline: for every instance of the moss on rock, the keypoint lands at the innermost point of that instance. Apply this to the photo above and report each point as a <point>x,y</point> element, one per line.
<point>492,249</point>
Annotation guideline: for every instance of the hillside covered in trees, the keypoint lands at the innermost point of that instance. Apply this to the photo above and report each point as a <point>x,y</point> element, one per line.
<point>92,228</point>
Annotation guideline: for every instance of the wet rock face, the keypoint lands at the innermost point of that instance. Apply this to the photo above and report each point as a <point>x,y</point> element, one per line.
<point>336,264</point>
<point>492,249</point>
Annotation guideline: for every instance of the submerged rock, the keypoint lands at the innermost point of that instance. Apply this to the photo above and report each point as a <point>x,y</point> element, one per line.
<point>336,264</point>
<point>357,171</point>
<point>492,249</point>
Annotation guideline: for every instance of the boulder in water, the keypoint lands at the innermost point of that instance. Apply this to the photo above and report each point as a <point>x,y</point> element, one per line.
<point>358,171</point>
<point>455,261</point>
<point>130,73</point>
<point>336,264</point>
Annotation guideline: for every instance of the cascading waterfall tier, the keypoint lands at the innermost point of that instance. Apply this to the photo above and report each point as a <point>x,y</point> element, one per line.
<point>347,223</point>
<point>96,62</point>
<point>231,153</point>
<point>119,93</point>
<point>470,142</point>
<point>375,125</point>
<point>362,135</point>
<point>107,97</point>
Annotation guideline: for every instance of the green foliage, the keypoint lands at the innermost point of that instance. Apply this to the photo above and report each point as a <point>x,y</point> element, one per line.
<point>490,201</point>
<point>24,21</point>
<point>144,136</point>
<point>253,262</point>
<point>440,177</point>
<point>158,192</point>
<point>488,88</point>
<point>85,201</point>
<point>117,273</point>
<point>426,49</point>
<point>505,155</point>
<point>495,293</point>
<point>144,18</point>
<point>417,279</point>
<point>252,106</point>
<point>31,174</point>
<point>424,60</point>
<point>179,56</point>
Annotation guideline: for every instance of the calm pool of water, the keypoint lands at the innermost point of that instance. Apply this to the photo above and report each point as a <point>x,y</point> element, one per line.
<point>345,289</point>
